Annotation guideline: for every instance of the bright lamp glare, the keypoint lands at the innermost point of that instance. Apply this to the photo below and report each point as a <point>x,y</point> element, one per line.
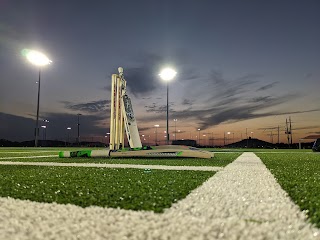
<point>37,58</point>
<point>167,74</point>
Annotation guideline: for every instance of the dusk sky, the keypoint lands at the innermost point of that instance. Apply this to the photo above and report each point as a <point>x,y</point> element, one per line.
<point>241,65</point>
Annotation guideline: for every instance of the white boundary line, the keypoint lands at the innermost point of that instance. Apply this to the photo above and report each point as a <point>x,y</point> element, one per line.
<point>48,156</point>
<point>105,165</point>
<point>1,152</point>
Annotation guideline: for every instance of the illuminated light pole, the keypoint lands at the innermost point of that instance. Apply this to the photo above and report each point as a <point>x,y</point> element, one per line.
<point>45,128</point>
<point>228,137</point>
<point>204,139</point>
<point>167,74</point>
<point>179,131</point>
<point>199,135</point>
<point>156,132</point>
<point>44,132</point>
<point>40,60</point>
<point>175,128</point>
<point>143,137</point>
<point>106,136</point>
<point>68,130</point>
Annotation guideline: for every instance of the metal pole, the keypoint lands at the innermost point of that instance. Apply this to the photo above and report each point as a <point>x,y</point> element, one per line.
<point>168,113</point>
<point>175,129</point>
<point>247,136</point>
<point>37,121</point>
<point>79,128</point>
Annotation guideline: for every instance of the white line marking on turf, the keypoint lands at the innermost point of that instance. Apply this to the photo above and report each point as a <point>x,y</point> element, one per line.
<point>28,152</point>
<point>104,165</point>
<point>48,156</point>
<point>243,202</point>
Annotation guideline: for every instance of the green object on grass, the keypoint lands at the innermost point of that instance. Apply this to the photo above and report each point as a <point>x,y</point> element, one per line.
<point>82,153</point>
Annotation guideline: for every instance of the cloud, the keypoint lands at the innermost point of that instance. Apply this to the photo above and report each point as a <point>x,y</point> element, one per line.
<point>90,107</point>
<point>306,127</point>
<point>265,87</point>
<point>262,99</point>
<point>223,88</point>
<point>187,102</point>
<point>159,109</point>
<point>142,74</point>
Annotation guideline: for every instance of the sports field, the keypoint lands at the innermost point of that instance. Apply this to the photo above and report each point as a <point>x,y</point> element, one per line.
<point>160,198</point>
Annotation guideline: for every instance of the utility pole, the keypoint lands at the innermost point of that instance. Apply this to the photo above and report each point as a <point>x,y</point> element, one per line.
<point>247,136</point>
<point>290,131</point>
<point>78,139</point>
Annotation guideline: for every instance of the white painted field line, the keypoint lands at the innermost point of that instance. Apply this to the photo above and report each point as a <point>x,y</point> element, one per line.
<point>104,165</point>
<point>48,156</point>
<point>243,202</point>
<point>28,152</point>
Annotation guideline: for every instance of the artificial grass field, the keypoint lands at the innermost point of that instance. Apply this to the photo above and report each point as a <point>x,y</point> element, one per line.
<point>297,171</point>
<point>125,188</point>
<point>299,175</point>
<point>133,189</point>
<point>219,160</point>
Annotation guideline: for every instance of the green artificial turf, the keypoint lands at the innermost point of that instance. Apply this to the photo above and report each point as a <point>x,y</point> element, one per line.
<point>125,188</point>
<point>220,159</point>
<point>299,175</point>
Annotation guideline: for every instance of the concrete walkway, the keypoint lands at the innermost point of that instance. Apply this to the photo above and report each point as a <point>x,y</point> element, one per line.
<point>243,201</point>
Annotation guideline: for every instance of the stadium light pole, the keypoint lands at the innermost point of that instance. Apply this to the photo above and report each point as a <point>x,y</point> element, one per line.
<point>156,132</point>
<point>68,135</point>
<point>167,74</point>
<point>228,137</point>
<point>40,60</point>
<point>199,135</point>
<point>175,128</point>
<point>44,132</point>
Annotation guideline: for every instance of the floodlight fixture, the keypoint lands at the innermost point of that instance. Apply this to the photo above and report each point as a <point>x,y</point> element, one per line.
<point>167,74</point>
<point>37,58</point>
